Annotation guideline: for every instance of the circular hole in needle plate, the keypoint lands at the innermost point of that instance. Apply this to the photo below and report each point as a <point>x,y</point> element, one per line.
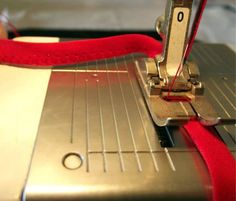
<point>225,78</point>
<point>72,161</point>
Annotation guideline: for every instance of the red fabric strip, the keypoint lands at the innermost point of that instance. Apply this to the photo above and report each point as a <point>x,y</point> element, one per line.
<point>220,162</point>
<point>49,54</point>
<point>218,159</point>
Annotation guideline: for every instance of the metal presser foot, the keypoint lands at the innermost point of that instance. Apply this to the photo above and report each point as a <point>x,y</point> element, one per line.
<point>169,82</point>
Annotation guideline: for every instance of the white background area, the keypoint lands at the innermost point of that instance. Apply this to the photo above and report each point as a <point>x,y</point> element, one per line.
<point>21,101</point>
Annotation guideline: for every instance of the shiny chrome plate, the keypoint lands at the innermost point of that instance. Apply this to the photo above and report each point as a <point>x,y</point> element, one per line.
<point>97,141</point>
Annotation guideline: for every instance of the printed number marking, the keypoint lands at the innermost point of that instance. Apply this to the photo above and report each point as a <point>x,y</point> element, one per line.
<point>180,16</point>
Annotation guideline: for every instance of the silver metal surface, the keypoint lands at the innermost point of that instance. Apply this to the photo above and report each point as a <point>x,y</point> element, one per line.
<point>96,111</point>
<point>218,71</point>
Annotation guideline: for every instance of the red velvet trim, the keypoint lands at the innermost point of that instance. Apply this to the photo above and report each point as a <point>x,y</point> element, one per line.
<point>220,163</point>
<point>48,54</point>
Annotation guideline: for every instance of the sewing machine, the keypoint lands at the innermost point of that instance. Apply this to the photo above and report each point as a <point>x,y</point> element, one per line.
<point>111,129</point>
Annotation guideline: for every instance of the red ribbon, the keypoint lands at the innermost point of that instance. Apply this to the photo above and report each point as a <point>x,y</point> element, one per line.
<point>71,52</point>
<point>220,163</point>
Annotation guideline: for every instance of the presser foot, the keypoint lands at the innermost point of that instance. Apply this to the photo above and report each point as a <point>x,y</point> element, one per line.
<point>176,107</point>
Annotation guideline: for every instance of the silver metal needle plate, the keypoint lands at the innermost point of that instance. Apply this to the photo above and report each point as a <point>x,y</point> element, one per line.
<point>95,113</point>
